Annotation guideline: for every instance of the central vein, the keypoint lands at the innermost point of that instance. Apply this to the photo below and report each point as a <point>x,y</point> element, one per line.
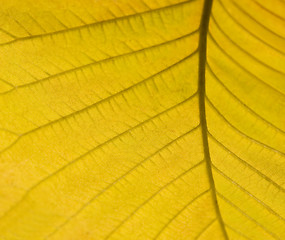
<point>201,89</point>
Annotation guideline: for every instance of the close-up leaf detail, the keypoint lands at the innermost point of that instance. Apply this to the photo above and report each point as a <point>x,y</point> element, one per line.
<point>142,119</point>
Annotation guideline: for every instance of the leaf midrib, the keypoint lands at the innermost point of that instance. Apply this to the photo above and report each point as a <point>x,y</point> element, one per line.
<point>204,25</point>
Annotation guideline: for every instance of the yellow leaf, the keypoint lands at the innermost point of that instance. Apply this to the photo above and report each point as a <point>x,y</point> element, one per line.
<point>142,119</point>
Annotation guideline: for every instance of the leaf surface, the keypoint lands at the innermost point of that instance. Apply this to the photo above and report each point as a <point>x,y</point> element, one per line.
<point>142,119</point>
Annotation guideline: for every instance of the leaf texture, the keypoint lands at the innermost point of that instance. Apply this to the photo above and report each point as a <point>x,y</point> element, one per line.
<point>142,119</point>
